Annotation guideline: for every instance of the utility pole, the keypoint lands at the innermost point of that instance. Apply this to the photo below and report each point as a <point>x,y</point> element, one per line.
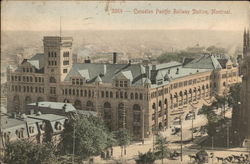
<point>143,126</point>
<point>73,154</point>
<point>227,135</point>
<point>181,137</point>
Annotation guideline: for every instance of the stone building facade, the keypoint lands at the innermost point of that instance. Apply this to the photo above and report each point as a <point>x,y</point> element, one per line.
<point>124,95</point>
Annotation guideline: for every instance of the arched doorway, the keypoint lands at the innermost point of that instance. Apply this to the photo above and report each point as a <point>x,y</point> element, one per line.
<point>39,99</point>
<point>78,104</point>
<point>27,100</point>
<point>107,115</point>
<point>121,116</point>
<point>90,106</point>
<point>16,103</point>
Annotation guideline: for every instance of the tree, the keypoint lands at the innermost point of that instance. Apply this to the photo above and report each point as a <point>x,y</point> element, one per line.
<point>146,158</point>
<point>161,148</point>
<point>91,136</point>
<point>123,139</point>
<point>27,152</point>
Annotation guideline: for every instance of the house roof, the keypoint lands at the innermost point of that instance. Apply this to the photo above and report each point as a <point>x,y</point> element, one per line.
<point>54,105</point>
<point>107,72</point>
<point>37,61</point>
<point>205,61</point>
<point>48,117</point>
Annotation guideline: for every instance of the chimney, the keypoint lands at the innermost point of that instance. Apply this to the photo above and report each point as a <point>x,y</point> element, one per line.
<point>114,58</point>
<point>87,60</point>
<point>177,71</point>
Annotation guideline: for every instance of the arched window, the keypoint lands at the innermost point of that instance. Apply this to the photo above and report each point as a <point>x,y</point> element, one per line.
<point>136,96</point>
<point>90,106</point>
<point>111,94</point>
<point>131,96</point>
<point>153,106</point>
<point>52,80</point>
<point>78,104</point>
<point>166,101</point>
<point>159,103</point>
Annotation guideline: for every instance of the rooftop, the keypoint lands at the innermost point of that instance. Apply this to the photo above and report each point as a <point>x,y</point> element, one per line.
<point>47,117</point>
<point>54,105</point>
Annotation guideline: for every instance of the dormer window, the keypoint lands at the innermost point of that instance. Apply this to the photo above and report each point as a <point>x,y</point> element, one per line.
<point>58,126</point>
<point>31,129</point>
<point>121,83</point>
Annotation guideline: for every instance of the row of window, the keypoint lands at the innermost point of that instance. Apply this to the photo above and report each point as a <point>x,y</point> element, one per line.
<point>52,63</point>
<point>188,82</point>
<point>27,79</point>
<point>159,92</point>
<point>52,54</point>
<point>77,92</point>
<point>121,94</point>
<point>16,88</point>
<point>233,74</point>
<point>27,70</point>
<point>77,81</point>
<point>121,83</point>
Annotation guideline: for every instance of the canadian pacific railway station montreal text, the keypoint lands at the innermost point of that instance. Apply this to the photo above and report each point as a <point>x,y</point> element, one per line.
<point>158,11</point>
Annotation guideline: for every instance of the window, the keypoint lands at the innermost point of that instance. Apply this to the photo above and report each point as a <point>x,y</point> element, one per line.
<point>77,81</point>
<point>65,70</point>
<point>66,54</point>
<point>65,62</point>
<point>81,82</point>
<point>52,80</point>
<point>73,81</point>
<point>102,94</point>
<point>111,94</point>
<point>31,129</point>
<point>141,96</point>
<point>116,83</point>
<point>107,94</point>
<point>121,83</point>
<point>125,83</point>
<point>52,90</point>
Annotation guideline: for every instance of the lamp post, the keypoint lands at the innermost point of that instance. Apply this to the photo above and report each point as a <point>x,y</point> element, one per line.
<point>73,154</point>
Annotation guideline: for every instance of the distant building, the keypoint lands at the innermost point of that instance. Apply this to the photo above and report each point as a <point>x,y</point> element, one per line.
<point>245,91</point>
<point>139,97</point>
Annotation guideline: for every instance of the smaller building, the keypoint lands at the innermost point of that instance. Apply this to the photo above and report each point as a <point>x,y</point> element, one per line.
<point>36,127</point>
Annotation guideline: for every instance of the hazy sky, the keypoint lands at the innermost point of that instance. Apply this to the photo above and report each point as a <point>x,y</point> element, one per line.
<point>80,15</point>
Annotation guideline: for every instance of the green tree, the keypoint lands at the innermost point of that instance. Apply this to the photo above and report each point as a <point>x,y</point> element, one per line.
<point>214,49</point>
<point>91,137</point>
<point>146,158</point>
<point>162,151</point>
<point>27,152</point>
<point>175,56</point>
<point>123,139</point>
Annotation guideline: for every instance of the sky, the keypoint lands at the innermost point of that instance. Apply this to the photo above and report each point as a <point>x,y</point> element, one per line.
<point>101,15</point>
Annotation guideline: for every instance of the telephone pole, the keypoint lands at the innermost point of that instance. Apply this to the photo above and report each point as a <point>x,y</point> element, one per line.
<point>181,137</point>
